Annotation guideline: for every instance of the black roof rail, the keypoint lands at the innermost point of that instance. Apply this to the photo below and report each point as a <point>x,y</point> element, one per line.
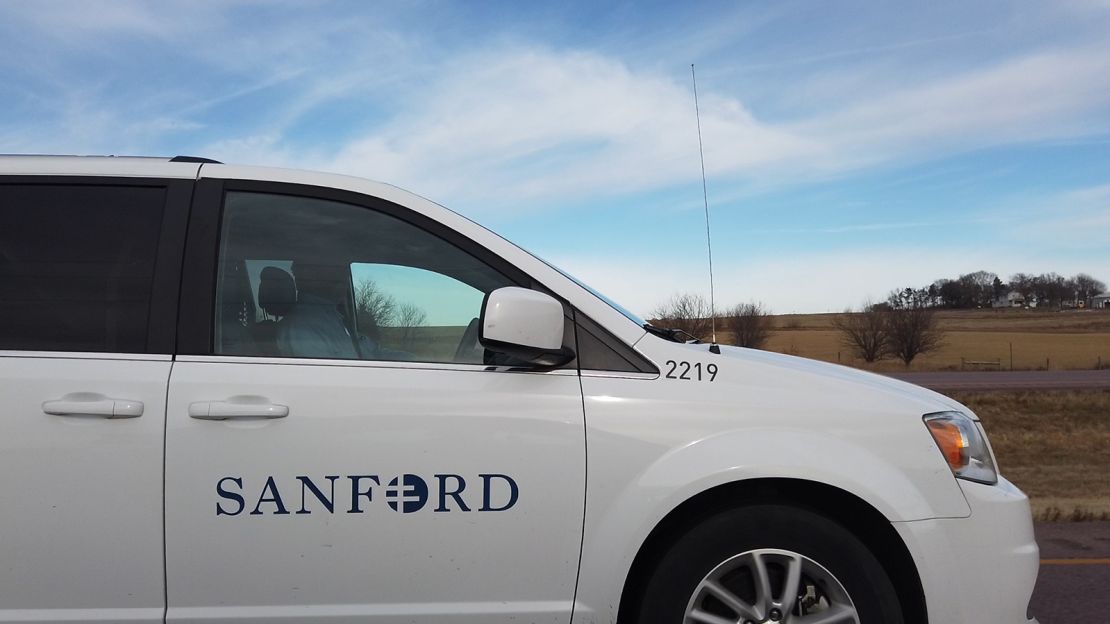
<point>194,159</point>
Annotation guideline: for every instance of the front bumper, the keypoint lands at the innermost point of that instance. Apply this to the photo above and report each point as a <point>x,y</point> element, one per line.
<point>981,568</point>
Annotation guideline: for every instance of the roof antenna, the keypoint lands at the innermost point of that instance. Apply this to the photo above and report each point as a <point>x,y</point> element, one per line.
<point>713,346</point>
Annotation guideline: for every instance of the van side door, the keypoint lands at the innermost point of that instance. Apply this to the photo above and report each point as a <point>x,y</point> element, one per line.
<point>89,275</point>
<point>340,448</point>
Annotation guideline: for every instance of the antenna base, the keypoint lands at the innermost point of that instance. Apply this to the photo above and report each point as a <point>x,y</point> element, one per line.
<point>715,348</point>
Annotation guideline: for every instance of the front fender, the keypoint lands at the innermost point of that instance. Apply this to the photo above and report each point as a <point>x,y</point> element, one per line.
<point>623,506</point>
<point>733,456</point>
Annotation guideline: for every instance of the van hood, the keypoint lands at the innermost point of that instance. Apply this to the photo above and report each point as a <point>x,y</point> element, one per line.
<point>767,368</point>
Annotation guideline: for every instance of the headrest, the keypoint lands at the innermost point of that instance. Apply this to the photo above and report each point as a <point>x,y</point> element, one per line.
<point>277,292</point>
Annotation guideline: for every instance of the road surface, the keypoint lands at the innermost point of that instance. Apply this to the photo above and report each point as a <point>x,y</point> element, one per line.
<point>1010,380</point>
<point>1074,581</point>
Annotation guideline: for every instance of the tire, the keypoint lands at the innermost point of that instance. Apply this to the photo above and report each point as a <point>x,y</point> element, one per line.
<point>715,567</point>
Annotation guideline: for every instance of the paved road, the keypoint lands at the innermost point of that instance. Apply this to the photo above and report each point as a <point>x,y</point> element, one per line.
<point>1010,380</point>
<point>1074,581</point>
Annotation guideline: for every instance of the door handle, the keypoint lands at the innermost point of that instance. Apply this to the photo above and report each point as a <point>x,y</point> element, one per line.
<point>93,404</point>
<point>237,408</point>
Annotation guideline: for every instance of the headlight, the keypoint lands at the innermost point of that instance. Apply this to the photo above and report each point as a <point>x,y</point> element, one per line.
<point>963,445</point>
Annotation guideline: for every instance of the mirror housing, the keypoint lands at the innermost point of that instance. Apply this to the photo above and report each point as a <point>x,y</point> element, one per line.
<point>524,324</point>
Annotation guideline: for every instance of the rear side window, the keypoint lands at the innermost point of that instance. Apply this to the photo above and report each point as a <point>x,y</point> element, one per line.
<point>77,266</point>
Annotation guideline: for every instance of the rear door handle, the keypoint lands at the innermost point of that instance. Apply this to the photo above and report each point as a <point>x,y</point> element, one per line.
<point>93,404</point>
<point>237,408</point>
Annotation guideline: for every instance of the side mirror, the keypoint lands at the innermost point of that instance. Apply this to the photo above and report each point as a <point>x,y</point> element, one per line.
<point>524,324</point>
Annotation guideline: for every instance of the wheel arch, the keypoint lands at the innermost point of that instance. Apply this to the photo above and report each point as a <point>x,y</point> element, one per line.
<point>858,516</point>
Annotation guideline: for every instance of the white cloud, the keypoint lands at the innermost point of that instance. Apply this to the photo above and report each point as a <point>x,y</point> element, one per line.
<point>88,74</point>
<point>67,21</point>
<point>1041,96</point>
<point>526,125</point>
<point>501,128</point>
<point>498,125</point>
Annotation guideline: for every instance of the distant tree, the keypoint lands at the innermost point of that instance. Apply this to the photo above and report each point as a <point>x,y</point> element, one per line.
<point>1071,292</point>
<point>911,325</point>
<point>1087,287</point>
<point>687,312</point>
<point>977,289</point>
<point>920,295</point>
<point>1051,289</point>
<point>409,317</point>
<point>934,294</point>
<point>1063,291</point>
<point>980,289</point>
<point>750,324</point>
<point>1000,289</point>
<point>865,333</point>
<point>950,293</point>
<point>373,309</point>
<point>1023,284</point>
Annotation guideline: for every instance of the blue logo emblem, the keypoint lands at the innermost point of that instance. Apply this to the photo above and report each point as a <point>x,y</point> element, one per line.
<point>407,493</point>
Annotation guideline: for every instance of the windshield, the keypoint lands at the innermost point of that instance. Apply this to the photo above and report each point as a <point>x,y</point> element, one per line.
<point>613,304</point>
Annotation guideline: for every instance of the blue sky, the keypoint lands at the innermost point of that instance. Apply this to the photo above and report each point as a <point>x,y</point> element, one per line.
<point>852,147</point>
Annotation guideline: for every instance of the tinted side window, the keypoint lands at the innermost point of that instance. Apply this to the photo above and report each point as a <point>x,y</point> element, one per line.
<point>314,278</point>
<point>600,351</point>
<point>77,266</point>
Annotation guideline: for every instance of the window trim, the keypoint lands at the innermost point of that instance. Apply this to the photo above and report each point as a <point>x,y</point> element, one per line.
<point>87,355</point>
<point>382,364</point>
<point>164,290</point>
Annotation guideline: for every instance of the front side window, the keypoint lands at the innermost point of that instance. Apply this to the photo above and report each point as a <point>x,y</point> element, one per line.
<point>77,266</point>
<point>312,278</point>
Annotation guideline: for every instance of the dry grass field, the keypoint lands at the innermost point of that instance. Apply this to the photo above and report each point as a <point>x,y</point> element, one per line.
<point>1055,445</point>
<point>1072,339</point>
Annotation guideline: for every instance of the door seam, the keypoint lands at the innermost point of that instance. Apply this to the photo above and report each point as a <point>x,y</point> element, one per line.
<point>165,546</point>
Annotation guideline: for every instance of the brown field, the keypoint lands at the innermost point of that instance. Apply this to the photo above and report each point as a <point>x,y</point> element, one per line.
<point>1072,339</point>
<point>1055,445</point>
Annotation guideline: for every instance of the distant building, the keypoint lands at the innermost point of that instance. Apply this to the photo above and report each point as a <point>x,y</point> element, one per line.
<point>1013,299</point>
<point>1101,302</point>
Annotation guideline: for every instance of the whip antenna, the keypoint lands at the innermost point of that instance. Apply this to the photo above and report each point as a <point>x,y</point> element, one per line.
<point>713,347</point>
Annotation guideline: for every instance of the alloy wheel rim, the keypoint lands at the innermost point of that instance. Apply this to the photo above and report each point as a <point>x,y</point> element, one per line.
<point>770,586</point>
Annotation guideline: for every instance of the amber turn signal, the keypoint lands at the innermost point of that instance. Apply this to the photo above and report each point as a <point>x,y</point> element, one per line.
<point>951,441</point>
<point>964,446</point>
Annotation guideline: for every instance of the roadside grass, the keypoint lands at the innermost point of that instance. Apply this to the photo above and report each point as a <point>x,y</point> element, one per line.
<point>1039,339</point>
<point>1055,445</point>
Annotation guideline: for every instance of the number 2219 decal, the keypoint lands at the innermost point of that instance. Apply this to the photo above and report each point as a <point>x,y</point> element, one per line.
<point>691,372</point>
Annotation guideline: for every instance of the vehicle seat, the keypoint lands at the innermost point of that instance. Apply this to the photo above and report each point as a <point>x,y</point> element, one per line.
<point>470,351</point>
<point>277,294</point>
<point>311,326</point>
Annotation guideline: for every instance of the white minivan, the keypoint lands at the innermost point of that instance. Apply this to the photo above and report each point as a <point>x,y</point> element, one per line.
<point>239,394</point>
